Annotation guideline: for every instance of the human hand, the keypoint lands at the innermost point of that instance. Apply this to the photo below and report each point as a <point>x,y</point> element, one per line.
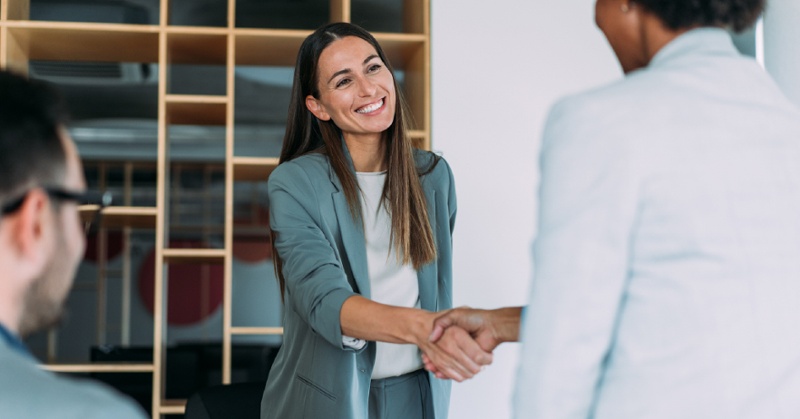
<point>489,328</point>
<point>478,323</point>
<point>454,340</point>
<point>451,325</point>
<point>456,355</point>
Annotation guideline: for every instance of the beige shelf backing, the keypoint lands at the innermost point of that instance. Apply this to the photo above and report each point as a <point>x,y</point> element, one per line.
<point>99,367</point>
<point>136,217</point>
<point>196,109</point>
<point>401,49</point>
<point>59,41</point>
<point>177,256</point>
<point>253,169</point>
<point>268,47</point>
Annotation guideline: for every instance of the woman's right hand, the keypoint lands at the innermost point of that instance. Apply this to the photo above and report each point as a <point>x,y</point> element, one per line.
<point>455,355</point>
<point>459,356</point>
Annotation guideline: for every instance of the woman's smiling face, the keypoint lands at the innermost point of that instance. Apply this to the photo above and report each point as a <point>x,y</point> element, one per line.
<point>356,89</point>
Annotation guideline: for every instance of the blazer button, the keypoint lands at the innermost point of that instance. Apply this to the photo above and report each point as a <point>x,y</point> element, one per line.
<point>363,370</point>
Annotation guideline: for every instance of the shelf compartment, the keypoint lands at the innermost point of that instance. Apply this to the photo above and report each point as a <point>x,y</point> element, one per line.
<point>253,169</point>
<point>283,14</point>
<point>196,109</point>
<point>100,367</point>
<point>176,256</point>
<point>401,49</point>
<point>197,46</point>
<point>272,47</point>
<point>119,216</point>
<point>57,41</point>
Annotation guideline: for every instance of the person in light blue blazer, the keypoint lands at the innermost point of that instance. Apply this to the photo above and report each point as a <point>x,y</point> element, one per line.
<point>41,245</point>
<point>666,270</point>
<point>362,231</point>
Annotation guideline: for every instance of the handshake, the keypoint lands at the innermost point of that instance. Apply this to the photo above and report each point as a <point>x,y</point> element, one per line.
<point>462,340</point>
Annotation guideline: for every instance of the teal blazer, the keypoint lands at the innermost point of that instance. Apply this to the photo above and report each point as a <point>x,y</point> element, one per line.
<point>324,263</point>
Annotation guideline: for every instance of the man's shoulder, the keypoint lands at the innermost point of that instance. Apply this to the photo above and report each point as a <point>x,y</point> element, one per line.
<point>29,391</point>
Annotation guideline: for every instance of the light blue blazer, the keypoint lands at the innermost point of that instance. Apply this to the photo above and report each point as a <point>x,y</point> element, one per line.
<point>667,262</point>
<point>324,263</point>
<point>28,391</point>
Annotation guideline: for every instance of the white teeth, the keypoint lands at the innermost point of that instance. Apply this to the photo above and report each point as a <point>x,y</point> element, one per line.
<point>371,108</point>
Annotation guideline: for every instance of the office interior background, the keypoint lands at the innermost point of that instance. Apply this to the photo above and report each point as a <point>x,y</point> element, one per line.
<point>495,68</point>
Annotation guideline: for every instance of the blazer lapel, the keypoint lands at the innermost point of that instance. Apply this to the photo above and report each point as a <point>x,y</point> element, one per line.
<point>352,231</point>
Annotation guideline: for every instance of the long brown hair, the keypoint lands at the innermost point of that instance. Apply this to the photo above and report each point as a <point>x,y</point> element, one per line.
<point>402,196</point>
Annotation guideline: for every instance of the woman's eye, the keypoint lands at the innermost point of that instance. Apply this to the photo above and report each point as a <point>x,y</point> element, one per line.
<point>373,68</point>
<point>342,82</point>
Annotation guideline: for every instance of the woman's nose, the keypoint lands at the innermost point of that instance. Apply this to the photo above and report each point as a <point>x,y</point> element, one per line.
<point>366,87</point>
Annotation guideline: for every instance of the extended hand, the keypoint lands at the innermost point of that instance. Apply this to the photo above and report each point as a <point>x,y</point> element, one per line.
<point>489,328</point>
<point>456,355</point>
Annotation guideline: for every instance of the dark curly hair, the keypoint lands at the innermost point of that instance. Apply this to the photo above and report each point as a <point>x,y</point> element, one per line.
<point>680,14</point>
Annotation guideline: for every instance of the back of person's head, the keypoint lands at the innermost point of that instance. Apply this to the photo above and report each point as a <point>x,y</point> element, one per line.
<point>31,148</point>
<point>684,14</point>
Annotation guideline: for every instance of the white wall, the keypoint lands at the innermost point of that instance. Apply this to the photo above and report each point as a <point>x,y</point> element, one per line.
<point>497,68</point>
<point>781,47</point>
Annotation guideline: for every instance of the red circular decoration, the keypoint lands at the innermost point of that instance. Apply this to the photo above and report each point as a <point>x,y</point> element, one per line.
<point>194,291</point>
<point>254,246</point>
<point>115,242</point>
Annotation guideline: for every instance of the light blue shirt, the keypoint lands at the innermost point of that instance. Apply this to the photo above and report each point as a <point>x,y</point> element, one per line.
<point>29,392</point>
<point>13,341</point>
<point>667,262</point>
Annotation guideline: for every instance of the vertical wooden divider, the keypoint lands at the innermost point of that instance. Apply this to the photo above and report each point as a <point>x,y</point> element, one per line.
<point>340,10</point>
<point>227,305</point>
<point>160,297</point>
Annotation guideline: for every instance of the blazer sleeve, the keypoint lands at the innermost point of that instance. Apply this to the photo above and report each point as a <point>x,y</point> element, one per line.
<point>587,207</point>
<point>316,283</point>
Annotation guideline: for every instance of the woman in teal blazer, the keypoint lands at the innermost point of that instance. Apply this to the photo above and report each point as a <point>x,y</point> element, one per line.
<point>346,119</point>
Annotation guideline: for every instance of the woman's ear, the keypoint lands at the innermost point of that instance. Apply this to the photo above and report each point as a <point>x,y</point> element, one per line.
<point>315,107</point>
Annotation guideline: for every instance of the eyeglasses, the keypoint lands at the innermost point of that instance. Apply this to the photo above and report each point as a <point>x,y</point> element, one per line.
<point>89,200</point>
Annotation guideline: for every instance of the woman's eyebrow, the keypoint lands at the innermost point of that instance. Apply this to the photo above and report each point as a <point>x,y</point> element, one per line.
<point>347,70</point>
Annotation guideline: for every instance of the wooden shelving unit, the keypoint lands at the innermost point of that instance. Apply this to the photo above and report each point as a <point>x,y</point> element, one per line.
<point>23,40</point>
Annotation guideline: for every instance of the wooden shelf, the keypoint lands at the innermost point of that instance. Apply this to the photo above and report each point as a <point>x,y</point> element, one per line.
<point>208,52</point>
<point>197,109</point>
<point>59,41</point>
<point>176,256</point>
<point>253,169</point>
<point>136,217</point>
<point>256,330</point>
<point>172,407</point>
<point>108,367</point>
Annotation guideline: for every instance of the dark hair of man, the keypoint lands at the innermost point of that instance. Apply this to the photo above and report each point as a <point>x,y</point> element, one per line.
<point>682,14</point>
<point>402,193</point>
<point>31,149</point>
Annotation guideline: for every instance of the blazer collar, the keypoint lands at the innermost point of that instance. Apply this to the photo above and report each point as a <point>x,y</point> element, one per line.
<point>696,42</point>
